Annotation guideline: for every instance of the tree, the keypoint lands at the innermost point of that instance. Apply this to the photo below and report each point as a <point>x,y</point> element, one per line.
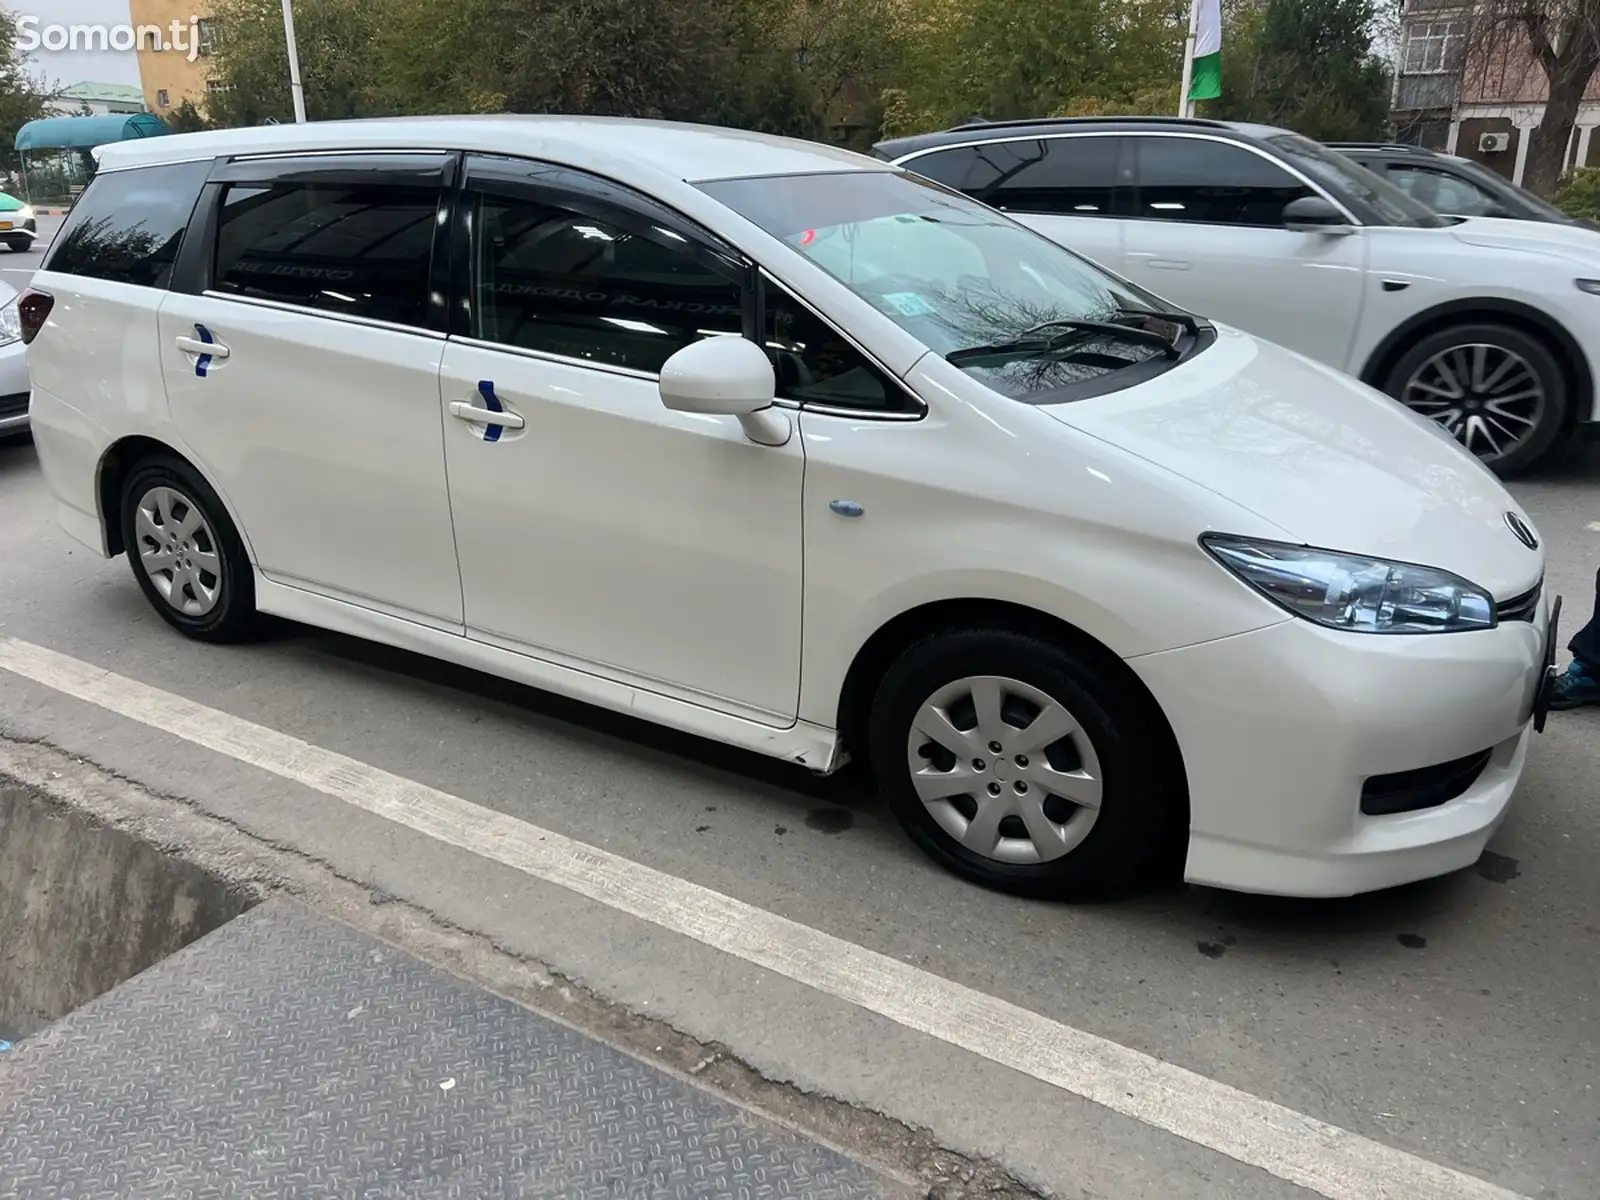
<point>186,118</point>
<point>1563,38</point>
<point>1307,65</point>
<point>1032,58</point>
<point>22,98</point>
<point>252,59</point>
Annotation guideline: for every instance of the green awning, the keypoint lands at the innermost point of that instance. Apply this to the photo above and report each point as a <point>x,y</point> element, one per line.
<point>85,133</point>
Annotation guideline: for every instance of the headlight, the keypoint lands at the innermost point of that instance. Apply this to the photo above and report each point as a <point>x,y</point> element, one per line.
<point>10,323</point>
<point>25,213</point>
<point>1592,286</point>
<point>1360,595</point>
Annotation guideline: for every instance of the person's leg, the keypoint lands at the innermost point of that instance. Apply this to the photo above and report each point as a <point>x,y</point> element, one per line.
<point>1579,684</point>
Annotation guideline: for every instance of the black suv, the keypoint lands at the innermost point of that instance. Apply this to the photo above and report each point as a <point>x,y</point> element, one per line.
<point>1450,184</point>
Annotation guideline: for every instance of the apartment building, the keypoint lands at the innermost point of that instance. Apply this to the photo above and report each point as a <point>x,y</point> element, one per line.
<point>1480,97</point>
<point>171,74</point>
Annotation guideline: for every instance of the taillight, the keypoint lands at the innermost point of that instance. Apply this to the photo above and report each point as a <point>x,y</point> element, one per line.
<point>34,309</point>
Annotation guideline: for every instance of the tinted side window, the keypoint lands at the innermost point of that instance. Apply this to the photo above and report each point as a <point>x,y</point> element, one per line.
<point>1212,183</point>
<point>355,249</point>
<point>815,364</point>
<point>549,279</point>
<point>1072,176</point>
<point>127,226</point>
<point>950,167</point>
<point>1441,192</point>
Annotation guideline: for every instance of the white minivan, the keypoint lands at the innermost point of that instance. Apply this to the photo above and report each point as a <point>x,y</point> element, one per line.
<point>798,451</point>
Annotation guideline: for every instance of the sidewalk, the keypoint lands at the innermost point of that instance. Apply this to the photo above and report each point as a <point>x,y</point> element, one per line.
<point>286,1054</point>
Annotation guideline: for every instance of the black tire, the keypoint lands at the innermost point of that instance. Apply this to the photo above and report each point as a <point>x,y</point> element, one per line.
<point>1139,818</point>
<point>233,617</point>
<point>1541,357</point>
<point>19,245</point>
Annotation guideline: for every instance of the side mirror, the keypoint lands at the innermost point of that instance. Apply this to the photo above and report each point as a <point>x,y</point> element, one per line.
<point>726,376</point>
<point>1314,214</point>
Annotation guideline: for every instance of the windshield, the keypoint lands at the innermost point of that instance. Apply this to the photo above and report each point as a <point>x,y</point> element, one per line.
<point>1499,186</point>
<point>954,274</point>
<point>1385,203</point>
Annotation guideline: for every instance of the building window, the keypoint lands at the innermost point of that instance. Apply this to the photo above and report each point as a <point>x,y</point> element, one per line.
<point>1433,47</point>
<point>163,98</point>
<point>213,86</point>
<point>206,36</point>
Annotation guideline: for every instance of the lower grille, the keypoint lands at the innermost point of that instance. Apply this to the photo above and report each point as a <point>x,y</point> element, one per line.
<point>1519,608</point>
<point>1426,787</point>
<point>14,405</point>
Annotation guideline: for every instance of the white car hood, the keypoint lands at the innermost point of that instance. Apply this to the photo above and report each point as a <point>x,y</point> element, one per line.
<point>1329,461</point>
<point>1568,241</point>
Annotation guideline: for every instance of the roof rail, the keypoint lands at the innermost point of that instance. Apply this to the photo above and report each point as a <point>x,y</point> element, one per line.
<point>1395,147</point>
<point>981,123</point>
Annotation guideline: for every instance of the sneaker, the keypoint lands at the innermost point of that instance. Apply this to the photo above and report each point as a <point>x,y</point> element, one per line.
<point>1575,687</point>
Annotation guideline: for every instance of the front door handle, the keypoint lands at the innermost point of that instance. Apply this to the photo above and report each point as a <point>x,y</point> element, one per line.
<point>485,416</point>
<point>1168,264</point>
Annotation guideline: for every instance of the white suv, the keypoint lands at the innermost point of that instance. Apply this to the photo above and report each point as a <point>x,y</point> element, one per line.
<point>1490,327</point>
<point>797,451</point>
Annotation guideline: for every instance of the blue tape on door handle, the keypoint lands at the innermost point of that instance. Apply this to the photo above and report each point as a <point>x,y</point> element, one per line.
<point>203,363</point>
<point>491,433</point>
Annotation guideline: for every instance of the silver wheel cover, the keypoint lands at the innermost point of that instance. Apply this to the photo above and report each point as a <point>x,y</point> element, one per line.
<point>178,551</point>
<point>1005,769</point>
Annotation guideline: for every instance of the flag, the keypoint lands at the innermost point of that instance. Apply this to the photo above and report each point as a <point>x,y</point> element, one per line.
<point>1206,82</point>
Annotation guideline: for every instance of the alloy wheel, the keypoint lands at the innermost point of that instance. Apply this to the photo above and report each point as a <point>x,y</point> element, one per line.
<point>1004,769</point>
<point>1489,398</point>
<point>178,551</point>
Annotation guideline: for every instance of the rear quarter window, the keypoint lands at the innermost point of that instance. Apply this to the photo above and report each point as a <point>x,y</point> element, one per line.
<point>128,225</point>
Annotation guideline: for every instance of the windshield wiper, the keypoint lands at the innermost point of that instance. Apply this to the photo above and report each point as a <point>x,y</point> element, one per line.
<point>1188,322</point>
<point>1028,343</point>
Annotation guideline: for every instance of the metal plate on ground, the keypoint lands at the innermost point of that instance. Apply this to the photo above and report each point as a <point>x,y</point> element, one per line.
<point>286,1055</point>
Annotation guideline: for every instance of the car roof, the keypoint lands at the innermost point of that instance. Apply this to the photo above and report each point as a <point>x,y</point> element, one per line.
<point>696,153</point>
<point>984,131</point>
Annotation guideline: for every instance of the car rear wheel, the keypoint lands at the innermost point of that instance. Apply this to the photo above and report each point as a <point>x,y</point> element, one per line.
<point>1021,764</point>
<point>186,554</point>
<point>1498,391</point>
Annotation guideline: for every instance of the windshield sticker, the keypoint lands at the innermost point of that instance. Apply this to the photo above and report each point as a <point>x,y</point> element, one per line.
<point>909,304</point>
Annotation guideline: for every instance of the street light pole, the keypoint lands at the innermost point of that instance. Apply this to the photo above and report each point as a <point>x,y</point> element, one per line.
<point>294,62</point>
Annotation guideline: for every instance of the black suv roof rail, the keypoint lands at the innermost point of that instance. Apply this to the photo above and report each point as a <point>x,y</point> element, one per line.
<point>980,123</point>
<point>1390,147</point>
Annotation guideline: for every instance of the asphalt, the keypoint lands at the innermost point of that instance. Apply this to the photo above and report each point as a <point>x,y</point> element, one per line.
<point>1456,1019</point>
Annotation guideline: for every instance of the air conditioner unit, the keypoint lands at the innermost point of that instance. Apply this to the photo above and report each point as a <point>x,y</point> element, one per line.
<point>1494,143</point>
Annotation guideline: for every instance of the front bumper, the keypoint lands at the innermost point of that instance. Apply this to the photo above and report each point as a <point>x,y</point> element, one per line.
<point>1281,728</point>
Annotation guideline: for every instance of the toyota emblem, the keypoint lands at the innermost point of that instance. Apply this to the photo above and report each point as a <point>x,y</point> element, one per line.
<point>1524,534</point>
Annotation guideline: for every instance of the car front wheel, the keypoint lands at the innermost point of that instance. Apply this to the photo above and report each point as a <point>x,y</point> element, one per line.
<point>1498,391</point>
<point>1023,765</point>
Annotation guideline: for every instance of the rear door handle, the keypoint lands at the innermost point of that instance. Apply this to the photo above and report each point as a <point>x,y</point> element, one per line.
<point>196,346</point>
<point>205,348</point>
<point>1168,264</point>
<point>484,416</point>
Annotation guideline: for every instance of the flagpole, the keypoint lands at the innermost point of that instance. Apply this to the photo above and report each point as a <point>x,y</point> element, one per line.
<point>1186,105</point>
